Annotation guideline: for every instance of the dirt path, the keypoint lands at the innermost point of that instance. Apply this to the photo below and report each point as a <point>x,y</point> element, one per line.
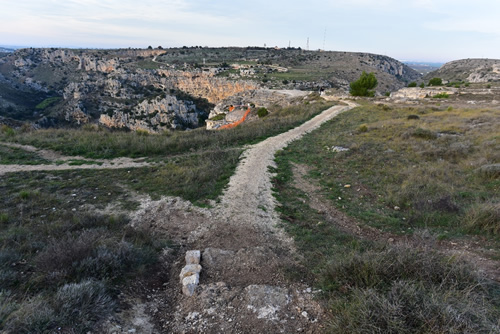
<point>243,284</point>
<point>243,287</point>
<point>68,162</point>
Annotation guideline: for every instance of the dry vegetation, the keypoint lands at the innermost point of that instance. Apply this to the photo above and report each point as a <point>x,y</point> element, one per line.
<point>408,171</point>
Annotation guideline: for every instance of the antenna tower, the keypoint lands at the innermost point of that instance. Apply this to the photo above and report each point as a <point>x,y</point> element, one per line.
<point>307,48</point>
<point>324,39</point>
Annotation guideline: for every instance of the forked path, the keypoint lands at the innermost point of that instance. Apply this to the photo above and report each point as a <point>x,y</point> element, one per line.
<point>243,285</point>
<point>248,199</point>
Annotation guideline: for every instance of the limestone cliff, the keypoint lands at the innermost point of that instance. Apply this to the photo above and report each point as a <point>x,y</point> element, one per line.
<point>154,116</point>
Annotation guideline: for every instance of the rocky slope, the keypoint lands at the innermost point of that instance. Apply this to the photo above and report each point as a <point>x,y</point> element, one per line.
<point>469,70</point>
<point>159,89</point>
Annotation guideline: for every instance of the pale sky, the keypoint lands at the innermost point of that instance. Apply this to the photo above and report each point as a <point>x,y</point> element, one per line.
<point>427,30</point>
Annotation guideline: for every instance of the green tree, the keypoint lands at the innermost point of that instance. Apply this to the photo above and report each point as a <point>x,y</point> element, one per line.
<point>364,85</point>
<point>436,82</point>
<point>422,85</point>
<point>412,84</point>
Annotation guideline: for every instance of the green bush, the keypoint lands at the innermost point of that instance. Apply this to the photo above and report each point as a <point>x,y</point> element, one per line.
<point>436,82</point>
<point>4,217</point>
<point>412,84</point>
<point>441,96</point>
<point>424,134</point>
<point>422,85</point>
<point>218,117</point>
<point>262,112</point>
<point>364,85</point>
<point>7,130</point>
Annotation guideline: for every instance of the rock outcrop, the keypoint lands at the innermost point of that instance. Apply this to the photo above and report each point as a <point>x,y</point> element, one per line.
<point>469,70</point>
<point>415,93</point>
<point>154,116</point>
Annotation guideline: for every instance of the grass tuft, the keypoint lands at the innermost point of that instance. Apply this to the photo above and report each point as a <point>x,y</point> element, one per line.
<point>483,217</point>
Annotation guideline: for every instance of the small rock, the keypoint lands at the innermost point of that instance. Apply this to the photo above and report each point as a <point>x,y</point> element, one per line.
<point>189,284</point>
<point>190,270</point>
<point>347,186</point>
<point>397,208</point>
<point>193,257</point>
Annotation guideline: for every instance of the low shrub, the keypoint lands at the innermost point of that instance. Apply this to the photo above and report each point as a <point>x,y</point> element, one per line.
<point>441,96</point>
<point>412,117</point>
<point>408,307</point>
<point>7,130</point>
<point>80,305</point>
<point>483,217</point>
<point>262,112</point>
<point>378,269</point>
<point>412,84</point>
<point>218,117</point>
<point>424,134</point>
<point>32,316</point>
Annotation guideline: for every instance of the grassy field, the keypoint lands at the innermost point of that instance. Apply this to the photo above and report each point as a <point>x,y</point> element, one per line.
<point>407,171</point>
<point>12,155</point>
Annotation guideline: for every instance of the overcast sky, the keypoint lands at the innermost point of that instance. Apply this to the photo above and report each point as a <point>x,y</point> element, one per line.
<point>427,30</point>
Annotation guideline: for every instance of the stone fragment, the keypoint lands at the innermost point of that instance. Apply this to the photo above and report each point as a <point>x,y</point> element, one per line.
<point>193,257</point>
<point>190,270</point>
<point>189,284</point>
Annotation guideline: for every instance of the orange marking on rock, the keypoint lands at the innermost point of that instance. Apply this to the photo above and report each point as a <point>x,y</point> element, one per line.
<point>238,122</point>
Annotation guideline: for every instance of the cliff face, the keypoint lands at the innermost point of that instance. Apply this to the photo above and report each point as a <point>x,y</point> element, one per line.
<point>207,86</point>
<point>469,70</point>
<point>110,88</point>
<point>154,116</point>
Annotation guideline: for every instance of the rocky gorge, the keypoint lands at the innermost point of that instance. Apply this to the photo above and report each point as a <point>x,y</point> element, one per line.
<point>155,90</point>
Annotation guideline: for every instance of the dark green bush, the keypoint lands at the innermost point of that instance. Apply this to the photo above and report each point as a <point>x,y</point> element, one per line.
<point>424,134</point>
<point>436,82</point>
<point>441,96</point>
<point>412,84</point>
<point>364,85</point>
<point>262,112</point>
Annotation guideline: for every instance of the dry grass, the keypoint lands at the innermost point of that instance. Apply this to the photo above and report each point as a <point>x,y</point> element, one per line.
<point>101,143</point>
<point>404,174</point>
